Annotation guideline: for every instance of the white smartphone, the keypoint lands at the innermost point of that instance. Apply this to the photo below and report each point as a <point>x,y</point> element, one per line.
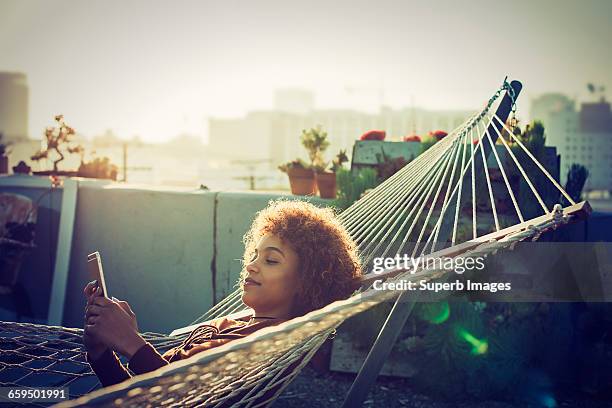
<point>94,264</point>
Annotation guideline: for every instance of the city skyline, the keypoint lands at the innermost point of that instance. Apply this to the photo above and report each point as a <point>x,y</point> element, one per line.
<point>157,71</point>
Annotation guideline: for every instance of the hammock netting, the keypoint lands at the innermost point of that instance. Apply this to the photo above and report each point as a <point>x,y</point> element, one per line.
<point>478,190</point>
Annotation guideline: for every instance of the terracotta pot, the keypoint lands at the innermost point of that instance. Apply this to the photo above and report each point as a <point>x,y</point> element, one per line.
<point>326,183</point>
<point>3,164</point>
<point>302,181</point>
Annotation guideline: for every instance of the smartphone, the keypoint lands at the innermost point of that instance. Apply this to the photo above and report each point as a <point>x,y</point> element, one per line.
<point>94,264</point>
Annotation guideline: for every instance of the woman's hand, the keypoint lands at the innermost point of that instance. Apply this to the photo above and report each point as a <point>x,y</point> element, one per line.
<point>114,323</point>
<point>94,346</point>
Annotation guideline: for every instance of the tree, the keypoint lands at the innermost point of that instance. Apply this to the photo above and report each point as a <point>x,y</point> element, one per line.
<point>315,142</point>
<point>576,179</point>
<point>534,139</point>
<point>59,139</point>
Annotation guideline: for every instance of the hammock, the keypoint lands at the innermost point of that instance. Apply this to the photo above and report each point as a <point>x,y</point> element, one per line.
<point>447,202</point>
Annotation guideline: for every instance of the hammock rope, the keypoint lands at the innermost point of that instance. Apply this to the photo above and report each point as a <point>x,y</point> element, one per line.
<point>405,212</point>
<point>207,373</point>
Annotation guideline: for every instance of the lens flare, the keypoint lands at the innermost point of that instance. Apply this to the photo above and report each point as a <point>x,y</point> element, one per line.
<point>479,347</point>
<point>436,313</point>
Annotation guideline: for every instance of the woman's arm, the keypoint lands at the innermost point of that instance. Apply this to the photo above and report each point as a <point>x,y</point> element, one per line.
<point>113,323</point>
<point>110,371</point>
<point>108,368</point>
<point>146,359</point>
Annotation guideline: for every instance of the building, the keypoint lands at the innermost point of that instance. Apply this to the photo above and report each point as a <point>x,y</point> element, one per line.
<point>14,106</point>
<point>275,135</point>
<point>582,137</point>
<point>545,105</point>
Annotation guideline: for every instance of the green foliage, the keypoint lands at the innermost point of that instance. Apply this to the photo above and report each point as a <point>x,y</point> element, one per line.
<point>427,142</point>
<point>534,139</point>
<point>339,160</point>
<point>297,163</point>
<point>352,186</point>
<point>315,142</point>
<point>576,179</point>
<point>484,350</point>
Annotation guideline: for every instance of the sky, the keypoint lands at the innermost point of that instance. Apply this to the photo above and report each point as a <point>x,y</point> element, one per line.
<point>158,69</point>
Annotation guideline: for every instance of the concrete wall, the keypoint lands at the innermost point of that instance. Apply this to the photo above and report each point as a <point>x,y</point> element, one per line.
<point>172,254</point>
<point>156,248</point>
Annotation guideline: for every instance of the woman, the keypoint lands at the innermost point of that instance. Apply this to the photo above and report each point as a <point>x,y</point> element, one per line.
<point>297,258</point>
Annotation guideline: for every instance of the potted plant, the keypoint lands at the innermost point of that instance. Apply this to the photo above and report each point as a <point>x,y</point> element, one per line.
<point>3,155</point>
<point>59,140</point>
<point>326,180</point>
<point>315,142</point>
<point>301,177</point>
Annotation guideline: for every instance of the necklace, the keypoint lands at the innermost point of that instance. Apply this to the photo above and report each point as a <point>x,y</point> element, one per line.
<point>259,317</point>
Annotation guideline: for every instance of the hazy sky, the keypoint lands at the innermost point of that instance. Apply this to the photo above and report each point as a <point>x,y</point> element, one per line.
<point>156,69</point>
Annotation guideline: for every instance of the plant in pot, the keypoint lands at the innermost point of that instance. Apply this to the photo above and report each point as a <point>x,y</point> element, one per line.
<point>4,155</point>
<point>315,142</point>
<point>59,142</point>
<point>326,180</point>
<point>301,177</point>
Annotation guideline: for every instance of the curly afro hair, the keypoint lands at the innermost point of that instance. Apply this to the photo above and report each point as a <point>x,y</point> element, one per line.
<point>329,264</point>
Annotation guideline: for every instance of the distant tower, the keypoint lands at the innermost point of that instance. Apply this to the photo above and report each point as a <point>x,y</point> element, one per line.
<point>294,100</point>
<point>13,105</point>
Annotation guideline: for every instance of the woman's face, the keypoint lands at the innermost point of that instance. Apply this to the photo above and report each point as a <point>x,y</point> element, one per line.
<point>272,278</point>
